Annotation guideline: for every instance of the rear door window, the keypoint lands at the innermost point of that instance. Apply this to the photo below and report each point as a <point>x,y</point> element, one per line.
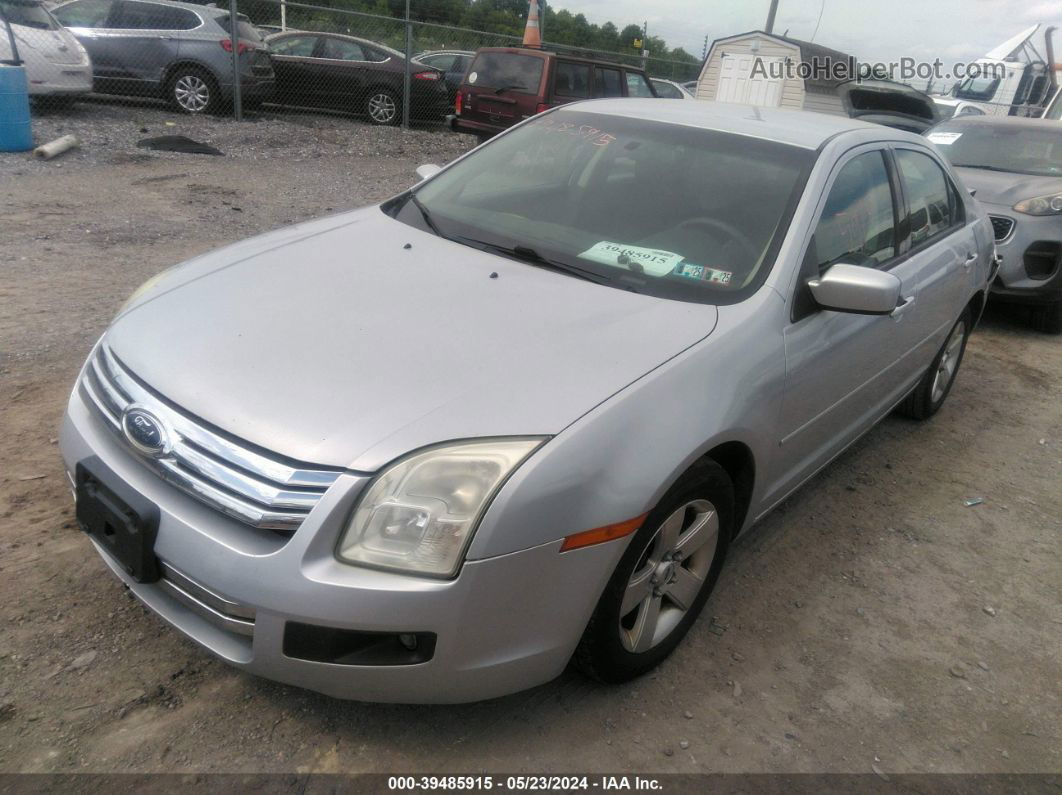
<point>443,62</point>
<point>607,82</point>
<point>342,50</point>
<point>572,80</point>
<point>930,197</point>
<point>154,16</point>
<point>638,86</point>
<point>512,71</point>
<point>85,13</point>
<point>294,46</point>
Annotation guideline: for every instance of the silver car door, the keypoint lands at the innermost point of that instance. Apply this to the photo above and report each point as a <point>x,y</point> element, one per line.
<point>943,249</point>
<point>844,371</point>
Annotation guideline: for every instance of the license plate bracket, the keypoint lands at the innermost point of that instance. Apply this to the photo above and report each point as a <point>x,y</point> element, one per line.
<point>121,521</point>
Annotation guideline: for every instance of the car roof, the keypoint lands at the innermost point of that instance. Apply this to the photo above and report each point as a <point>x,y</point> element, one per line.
<point>357,39</point>
<point>796,127</point>
<point>204,10</point>
<point>1020,122</point>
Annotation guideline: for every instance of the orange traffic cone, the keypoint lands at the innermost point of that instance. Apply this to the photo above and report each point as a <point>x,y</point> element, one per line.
<point>532,33</point>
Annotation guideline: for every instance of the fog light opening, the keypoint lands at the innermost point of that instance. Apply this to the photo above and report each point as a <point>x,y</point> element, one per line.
<point>408,640</point>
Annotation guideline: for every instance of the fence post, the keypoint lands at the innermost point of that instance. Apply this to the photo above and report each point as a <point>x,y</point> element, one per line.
<point>406,79</point>
<point>234,38</point>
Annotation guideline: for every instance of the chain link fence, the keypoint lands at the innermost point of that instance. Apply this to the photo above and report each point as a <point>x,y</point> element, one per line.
<point>236,56</point>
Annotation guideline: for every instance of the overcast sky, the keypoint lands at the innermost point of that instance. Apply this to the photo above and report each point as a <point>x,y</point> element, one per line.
<point>873,31</point>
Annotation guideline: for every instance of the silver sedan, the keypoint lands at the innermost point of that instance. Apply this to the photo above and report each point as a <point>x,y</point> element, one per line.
<point>434,450</point>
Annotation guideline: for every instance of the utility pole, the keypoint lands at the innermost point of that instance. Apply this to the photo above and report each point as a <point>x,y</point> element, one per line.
<point>770,16</point>
<point>645,43</point>
<point>704,52</point>
<point>406,78</point>
<point>234,39</point>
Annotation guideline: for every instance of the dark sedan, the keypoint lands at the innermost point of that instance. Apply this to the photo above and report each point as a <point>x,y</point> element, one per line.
<point>347,73</point>
<point>452,63</point>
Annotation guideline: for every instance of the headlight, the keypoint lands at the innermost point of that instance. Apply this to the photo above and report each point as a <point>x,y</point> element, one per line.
<point>139,291</point>
<point>419,514</point>
<point>1042,205</point>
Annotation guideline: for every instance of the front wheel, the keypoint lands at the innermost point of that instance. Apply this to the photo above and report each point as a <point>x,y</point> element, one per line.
<point>933,389</point>
<point>382,107</point>
<point>663,579</point>
<point>193,90</point>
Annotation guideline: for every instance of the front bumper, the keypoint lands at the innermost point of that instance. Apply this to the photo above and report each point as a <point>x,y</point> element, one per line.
<point>1014,283</point>
<point>504,624</point>
<point>61,81</point>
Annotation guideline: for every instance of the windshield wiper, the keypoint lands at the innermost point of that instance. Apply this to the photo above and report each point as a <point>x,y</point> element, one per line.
<point>426,215</point>
<point>985,168</point>
<point>532,257</point>
<point>509,88</point>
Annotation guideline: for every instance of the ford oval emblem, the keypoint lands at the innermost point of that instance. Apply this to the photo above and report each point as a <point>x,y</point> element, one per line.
<point>144,431</point>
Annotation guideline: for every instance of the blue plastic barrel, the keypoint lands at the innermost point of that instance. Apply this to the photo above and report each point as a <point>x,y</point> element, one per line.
<point>15,132</point>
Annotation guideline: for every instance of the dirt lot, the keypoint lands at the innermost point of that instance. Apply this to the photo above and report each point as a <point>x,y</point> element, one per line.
<point>875,622</point>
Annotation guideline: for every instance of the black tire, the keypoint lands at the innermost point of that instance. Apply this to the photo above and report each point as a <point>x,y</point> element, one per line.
<point>1048,318</point>
<point>602,653</point>
<point>925,400</point>
<point>193,90</point>
<point>383,107</point>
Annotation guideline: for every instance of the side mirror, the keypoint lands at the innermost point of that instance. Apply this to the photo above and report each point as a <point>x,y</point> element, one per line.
<point>856,289</point>
<point>427,170</point>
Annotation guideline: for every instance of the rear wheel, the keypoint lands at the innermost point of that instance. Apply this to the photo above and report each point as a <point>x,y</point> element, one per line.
<point>193,90</point>
<point>382,107</point>
<point>933,389</point>
<point>1048,318</point>
<point>663,579</point>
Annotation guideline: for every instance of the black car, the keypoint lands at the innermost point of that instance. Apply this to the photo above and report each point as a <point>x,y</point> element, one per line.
<point>330,70</point>
<point>452,63</point>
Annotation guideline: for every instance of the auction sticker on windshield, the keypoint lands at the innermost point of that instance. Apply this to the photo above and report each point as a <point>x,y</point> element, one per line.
<point>705,274</point>
<point>652,261</point>
<point>944,138</point>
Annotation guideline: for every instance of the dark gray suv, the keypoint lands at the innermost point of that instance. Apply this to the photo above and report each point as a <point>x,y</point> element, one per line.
<point>177,51</point>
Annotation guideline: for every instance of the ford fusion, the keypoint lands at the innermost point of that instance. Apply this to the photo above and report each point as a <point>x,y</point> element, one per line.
<point>437,449</point>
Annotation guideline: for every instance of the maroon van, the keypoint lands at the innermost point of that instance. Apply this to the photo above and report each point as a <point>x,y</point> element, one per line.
<point>505,85</point>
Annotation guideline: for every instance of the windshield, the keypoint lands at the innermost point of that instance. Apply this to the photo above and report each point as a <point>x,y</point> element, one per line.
<point>997,147</point>
<point>668,210</point>
<point>977,88</point>
<point>28,13</point>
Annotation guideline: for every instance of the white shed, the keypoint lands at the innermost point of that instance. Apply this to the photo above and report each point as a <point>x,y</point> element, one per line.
<point>768,70</point>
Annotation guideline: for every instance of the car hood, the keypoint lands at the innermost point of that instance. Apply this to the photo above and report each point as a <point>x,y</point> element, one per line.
<point>1005,188</point>
<point>355,339</point>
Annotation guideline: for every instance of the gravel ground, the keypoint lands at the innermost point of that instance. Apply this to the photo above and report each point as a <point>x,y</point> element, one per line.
<point>109,134</point>
<point>872,623</point>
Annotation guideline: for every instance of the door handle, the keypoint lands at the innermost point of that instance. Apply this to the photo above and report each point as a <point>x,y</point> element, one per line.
<point>902,307</point>
<point>970,260</point>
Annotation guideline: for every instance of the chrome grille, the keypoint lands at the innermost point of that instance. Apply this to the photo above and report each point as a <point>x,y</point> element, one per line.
<point>1001,226</point>
<point>228,475</point>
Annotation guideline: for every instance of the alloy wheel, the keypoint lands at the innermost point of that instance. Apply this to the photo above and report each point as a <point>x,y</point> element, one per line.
<point>949,363</point>
<point>192,93</point>
<point>669,575</point>
<point>382,108</point>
